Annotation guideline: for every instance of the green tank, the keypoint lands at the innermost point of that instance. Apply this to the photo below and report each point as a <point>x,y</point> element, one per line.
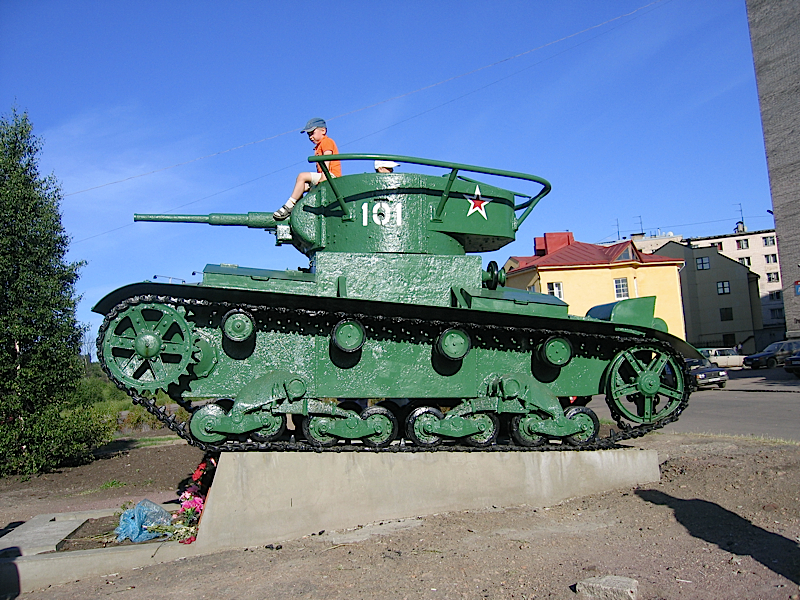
<point>394,337</point>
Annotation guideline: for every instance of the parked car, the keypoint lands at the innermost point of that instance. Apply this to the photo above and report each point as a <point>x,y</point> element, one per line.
<point>792,364</point>
<point>772,356</point>
<point>723,357</point>
<point>705,374</point>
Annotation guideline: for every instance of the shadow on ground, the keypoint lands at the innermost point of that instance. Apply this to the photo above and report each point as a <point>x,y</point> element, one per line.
<point>10,527</point>
<point>116,447</point>
<point>732,533</point>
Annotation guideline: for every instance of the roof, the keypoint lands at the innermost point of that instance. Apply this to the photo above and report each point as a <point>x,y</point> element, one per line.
<point>729,235</point>
<point>583,254</point>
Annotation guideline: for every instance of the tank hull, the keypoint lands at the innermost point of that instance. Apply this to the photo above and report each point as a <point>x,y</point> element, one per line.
<point>398,363</point>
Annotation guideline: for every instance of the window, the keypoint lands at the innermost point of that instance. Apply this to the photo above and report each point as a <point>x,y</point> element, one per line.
<point>773,277</point>
<point>729,339</point>
<point>745,260</point>
<point>776,295</point>
<point>769,240</point>
<point>742,244</point>
<point>775,313</point>
<point>702,263</point>
<point>555,289</point>
<point>726,314</point>
<point>723,287</point>
<point>771,258</point>
<point>717,245</point>
<point>621,288</point>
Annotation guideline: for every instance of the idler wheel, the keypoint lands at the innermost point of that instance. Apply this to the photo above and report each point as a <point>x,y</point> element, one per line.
<point>490,427</point>
<point>589,423</point>
<point>385,425</point>
<point>644,384</point>
<point>418,426</point>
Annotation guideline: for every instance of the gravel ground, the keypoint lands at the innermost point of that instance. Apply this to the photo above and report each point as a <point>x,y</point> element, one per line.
<point>723,522</point>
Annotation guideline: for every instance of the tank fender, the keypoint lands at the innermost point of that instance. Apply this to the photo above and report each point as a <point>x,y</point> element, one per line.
<point>631,311</point>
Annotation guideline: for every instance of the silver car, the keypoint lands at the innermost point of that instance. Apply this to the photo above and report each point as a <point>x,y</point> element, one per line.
<point>723,357</point>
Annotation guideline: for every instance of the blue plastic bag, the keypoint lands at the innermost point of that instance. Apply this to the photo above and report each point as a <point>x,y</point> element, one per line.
<point>133,521</point>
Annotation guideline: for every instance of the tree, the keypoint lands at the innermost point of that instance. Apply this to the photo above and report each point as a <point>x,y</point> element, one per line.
<point>43,424</point>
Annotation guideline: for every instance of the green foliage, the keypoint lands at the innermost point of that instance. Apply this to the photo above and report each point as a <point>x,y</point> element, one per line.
<point>43,422</point>
<point>138,418</point>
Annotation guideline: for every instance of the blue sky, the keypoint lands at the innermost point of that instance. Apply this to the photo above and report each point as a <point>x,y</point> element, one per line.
<point>650,116</point>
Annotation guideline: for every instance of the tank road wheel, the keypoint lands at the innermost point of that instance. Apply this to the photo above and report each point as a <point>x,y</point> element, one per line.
<point>148,346</point>
<point>315,430</point>
<point>522,435</point>
<point>644,385</point>
<point>203,422</point>
<point>490,427</point>
<point>418,425</point>
<point>589,423</point>
<point>274,426</point>
<point>385,425</point>
<point>351,405</point>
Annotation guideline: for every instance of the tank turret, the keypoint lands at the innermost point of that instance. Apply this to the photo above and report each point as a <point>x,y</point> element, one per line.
<point>396,212</point>
<point>397,320</point>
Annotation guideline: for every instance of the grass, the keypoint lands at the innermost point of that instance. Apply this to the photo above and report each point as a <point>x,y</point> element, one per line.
<point>108,485</point>
<point>112,483</point>
<point>731,436</point>
<point>166,440</point>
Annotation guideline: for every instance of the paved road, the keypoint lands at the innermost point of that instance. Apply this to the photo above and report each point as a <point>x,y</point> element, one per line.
<point>758,403</point>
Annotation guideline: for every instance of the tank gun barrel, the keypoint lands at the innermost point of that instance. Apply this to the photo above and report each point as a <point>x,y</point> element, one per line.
<point>255,220</point>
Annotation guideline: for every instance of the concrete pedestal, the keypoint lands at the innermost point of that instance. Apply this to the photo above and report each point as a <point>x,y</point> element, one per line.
<point>260,498</point>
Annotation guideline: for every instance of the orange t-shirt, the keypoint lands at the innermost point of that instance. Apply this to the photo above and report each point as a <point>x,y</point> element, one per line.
<point>335,166</point>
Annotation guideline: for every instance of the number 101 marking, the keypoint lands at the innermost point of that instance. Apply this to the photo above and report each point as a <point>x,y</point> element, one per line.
<point>382,213</point>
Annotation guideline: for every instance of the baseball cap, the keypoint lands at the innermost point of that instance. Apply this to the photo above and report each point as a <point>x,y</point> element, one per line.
<point>389,164</point>
<point>313,124</point>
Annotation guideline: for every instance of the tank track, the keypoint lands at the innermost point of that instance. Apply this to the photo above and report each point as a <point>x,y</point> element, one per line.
<point>626,431</point>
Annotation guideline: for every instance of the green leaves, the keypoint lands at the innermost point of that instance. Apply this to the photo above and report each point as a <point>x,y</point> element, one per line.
<point>42,421</point>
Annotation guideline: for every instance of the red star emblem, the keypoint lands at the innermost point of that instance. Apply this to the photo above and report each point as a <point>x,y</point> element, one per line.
<point>477,204</point>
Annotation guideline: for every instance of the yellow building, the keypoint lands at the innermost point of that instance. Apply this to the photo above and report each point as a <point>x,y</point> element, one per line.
<point>587,275</point>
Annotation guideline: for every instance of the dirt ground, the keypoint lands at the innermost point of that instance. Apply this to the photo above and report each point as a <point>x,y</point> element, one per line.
<point>723,522</point>
<point>148,466</point>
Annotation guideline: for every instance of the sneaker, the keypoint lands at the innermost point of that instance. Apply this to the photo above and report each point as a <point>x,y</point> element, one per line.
<point>282,213</point>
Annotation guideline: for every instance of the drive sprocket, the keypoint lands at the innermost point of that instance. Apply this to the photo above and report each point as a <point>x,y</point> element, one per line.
<point>147,346</point>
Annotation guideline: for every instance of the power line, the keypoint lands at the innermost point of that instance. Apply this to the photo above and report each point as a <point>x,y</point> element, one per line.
<point>422,89</point>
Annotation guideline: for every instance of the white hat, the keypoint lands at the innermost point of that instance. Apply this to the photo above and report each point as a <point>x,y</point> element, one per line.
<point>389,164</point>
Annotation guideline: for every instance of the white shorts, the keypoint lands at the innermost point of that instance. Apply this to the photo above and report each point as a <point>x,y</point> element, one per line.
<point>315,177</point>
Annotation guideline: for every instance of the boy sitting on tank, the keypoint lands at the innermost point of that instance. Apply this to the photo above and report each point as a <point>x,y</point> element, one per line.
<point>317,132</point>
